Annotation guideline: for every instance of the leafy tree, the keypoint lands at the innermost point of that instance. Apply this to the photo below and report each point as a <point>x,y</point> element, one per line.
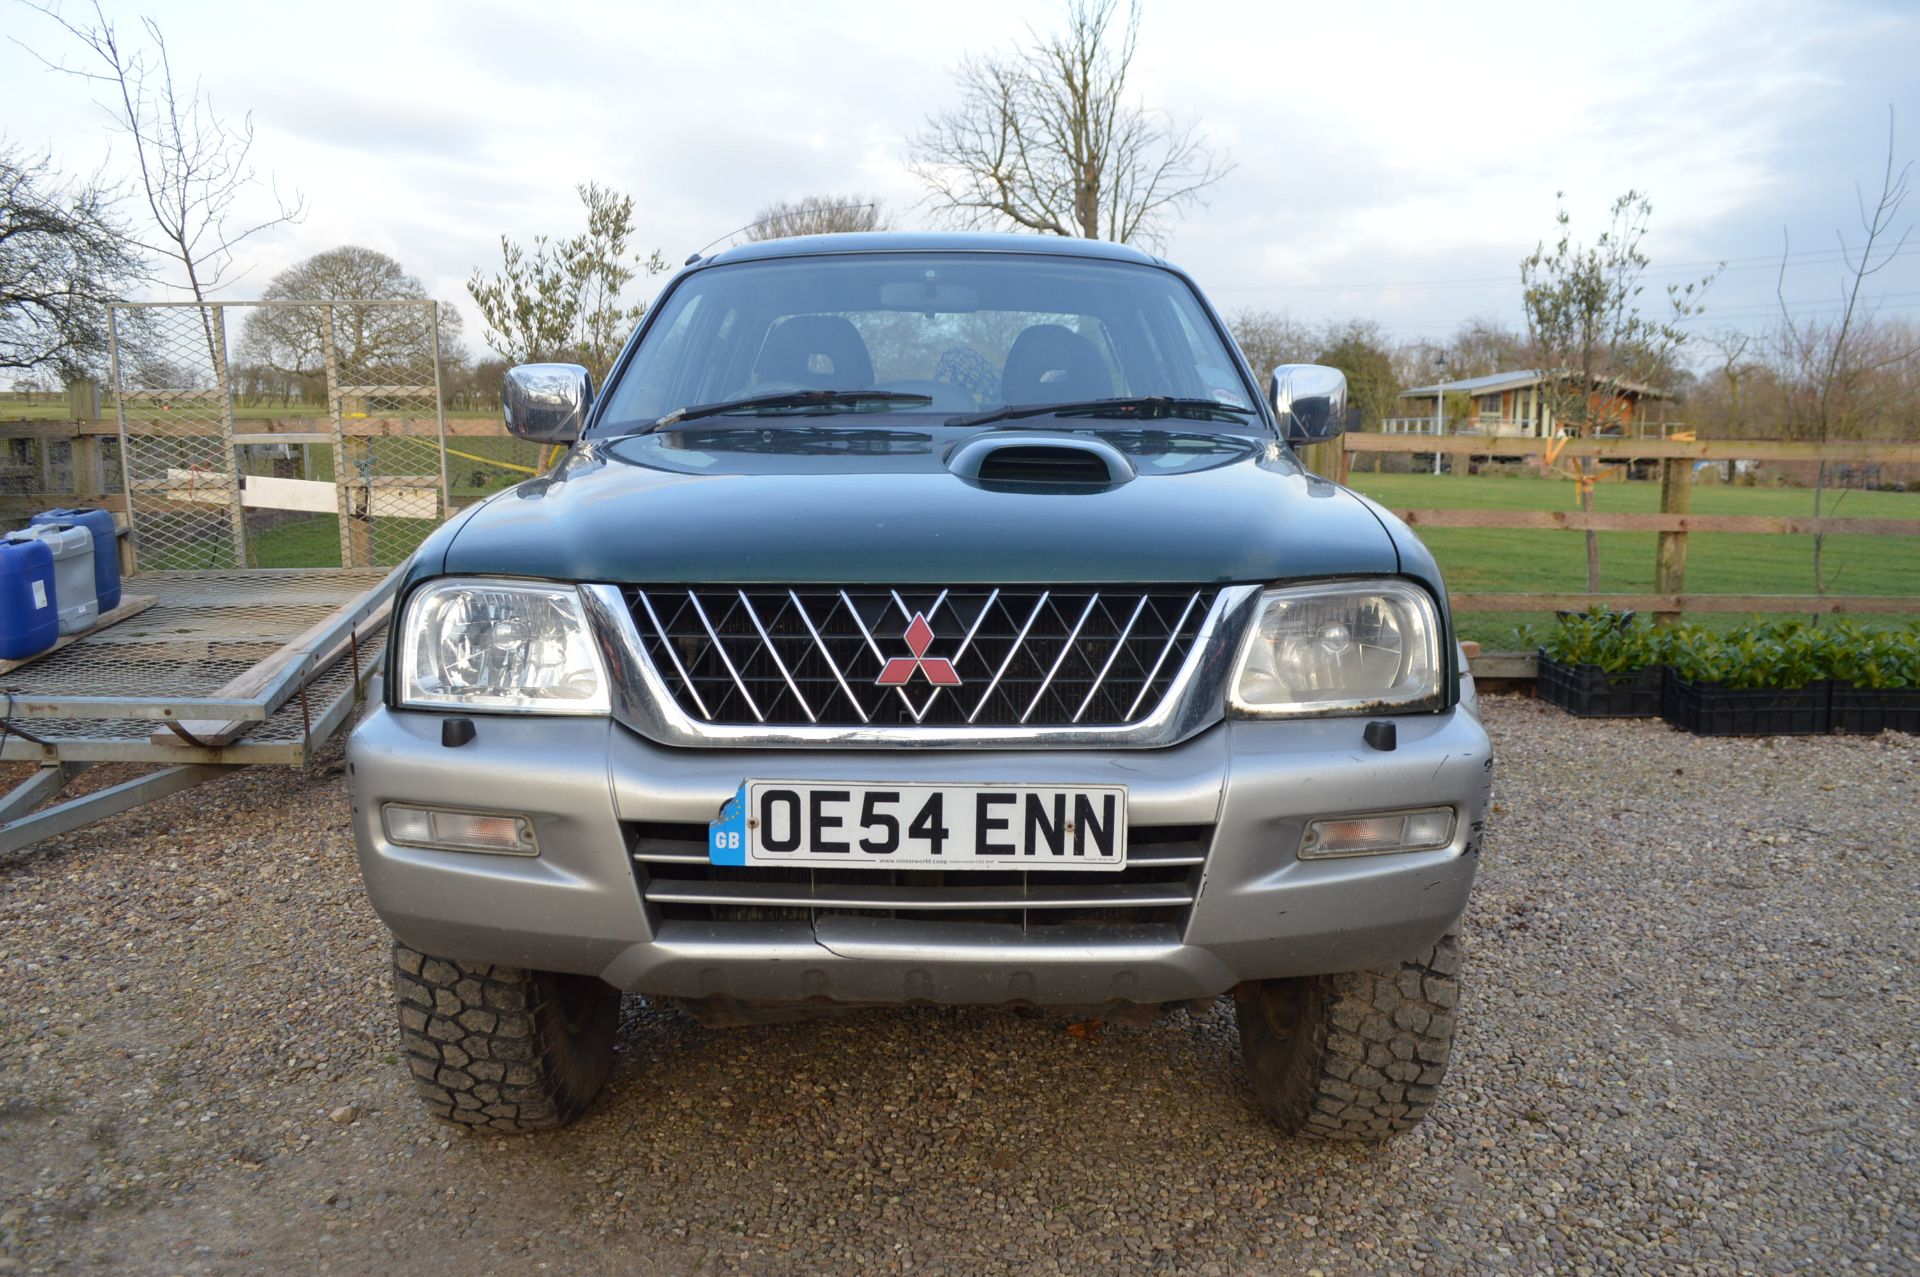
<point>1046,138</point>
<point>63,257</point>
<point>1587,329</point>
<point>1356,347</point>
<point>818,215</point>
<point>1359,349</point>
<point>562,298</point>
<point>367,339</point>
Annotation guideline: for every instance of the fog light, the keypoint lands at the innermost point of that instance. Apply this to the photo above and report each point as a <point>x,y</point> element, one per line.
<point>1427,829</point>
<point>460,830</point>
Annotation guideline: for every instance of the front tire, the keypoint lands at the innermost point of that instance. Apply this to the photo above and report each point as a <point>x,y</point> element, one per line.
<point>503,1048</point>
<point>1353,1056</point>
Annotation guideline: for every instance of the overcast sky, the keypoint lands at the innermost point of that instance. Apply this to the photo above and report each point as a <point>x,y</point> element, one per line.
<point>1394,161</point>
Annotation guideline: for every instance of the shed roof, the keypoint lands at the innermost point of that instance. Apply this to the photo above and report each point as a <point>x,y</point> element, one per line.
<point>1519,379</point>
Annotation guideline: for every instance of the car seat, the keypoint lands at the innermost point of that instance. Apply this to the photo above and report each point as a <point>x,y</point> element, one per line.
<point>821,352</point>
<point>1051,364</point>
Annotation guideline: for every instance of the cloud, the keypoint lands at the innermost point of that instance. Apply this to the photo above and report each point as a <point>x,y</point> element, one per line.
<point>1382,153</point>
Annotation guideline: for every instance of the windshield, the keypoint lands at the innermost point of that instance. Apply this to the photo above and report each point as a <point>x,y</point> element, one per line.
<point>950,333</point>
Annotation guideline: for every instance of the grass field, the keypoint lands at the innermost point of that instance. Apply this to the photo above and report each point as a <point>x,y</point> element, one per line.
<point>1516,560</point>
<point>488,466</point>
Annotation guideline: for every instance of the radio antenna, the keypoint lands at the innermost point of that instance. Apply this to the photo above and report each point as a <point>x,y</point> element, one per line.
<point>698,253</point>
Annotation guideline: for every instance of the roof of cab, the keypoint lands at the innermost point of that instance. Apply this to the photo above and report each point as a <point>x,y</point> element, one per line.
<point>929,242</point>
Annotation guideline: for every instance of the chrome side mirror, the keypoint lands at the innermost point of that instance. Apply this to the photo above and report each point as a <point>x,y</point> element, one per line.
<point>1311,401</point>
<point>547,403</point>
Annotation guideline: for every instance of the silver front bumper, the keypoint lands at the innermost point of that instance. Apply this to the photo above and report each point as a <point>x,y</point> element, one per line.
<point>1257,910</point>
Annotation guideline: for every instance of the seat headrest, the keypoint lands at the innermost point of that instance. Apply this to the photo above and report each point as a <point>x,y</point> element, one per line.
<point>1049,363</point>
<point>823,352</point>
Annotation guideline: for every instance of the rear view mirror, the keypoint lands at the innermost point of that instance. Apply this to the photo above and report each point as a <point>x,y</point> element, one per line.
<point>929,295</point>
<point>547,403</point>
<point>1311,401</point>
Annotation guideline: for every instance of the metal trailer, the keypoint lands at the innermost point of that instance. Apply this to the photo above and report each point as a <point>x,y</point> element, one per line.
<point>220,670</point>
<point>212,661</point>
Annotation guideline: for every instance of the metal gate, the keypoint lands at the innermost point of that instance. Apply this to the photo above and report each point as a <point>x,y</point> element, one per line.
<point>279,434</point>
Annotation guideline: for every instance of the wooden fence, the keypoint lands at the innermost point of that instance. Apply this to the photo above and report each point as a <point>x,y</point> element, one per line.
<point>89,485</point>
<point>1669,597</point>
<point>1673,523</point>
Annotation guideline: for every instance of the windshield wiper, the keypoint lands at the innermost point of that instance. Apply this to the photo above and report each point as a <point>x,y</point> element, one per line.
<point>1138,407</point>
<point>789,399</point>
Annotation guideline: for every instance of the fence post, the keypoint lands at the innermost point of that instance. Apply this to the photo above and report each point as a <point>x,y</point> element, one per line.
<point>1670,561</point>
<point>236,507</point>
<point>1322,458</point>
<point>355,550</point>
<point>440,413</point>
<point>83,399</point>
<point>89,470</point>
<point>129,544</point>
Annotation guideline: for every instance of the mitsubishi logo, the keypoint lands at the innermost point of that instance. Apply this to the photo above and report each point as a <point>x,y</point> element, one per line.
<point>938,669</point>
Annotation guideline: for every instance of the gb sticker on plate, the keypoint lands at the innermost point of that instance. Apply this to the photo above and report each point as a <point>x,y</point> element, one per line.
<point>727,835</point>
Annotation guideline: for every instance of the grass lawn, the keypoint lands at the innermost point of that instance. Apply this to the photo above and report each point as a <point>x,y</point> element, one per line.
<point>312,542</point>
<point>1518,560</point>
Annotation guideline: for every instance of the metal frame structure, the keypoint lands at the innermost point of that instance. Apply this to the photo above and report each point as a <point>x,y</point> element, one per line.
<point>230,664</point>
<point>193,430</point>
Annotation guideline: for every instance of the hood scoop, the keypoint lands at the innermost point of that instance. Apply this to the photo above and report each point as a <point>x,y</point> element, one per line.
<point>1052,460</point>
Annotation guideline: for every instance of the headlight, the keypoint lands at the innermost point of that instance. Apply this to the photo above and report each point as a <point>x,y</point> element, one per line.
<point>500,645</point>
<point>1347,647</point>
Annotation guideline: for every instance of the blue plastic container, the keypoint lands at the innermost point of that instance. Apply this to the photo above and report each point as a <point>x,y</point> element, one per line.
<point>106,549</point>
<point>29,613</point>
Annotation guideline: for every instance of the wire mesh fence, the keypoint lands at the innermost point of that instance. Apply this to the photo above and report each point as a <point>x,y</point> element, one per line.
<point>346,470</point>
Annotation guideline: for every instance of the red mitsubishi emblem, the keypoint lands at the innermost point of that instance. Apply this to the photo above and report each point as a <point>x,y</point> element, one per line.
<point>938,669</point>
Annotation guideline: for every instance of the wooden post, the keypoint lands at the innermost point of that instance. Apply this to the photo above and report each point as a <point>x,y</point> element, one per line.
<point>83,400</point>
<point>1322,458</point>
<point>236,507</point>
<point>354,549</point>
<point>1670,562</point>
<point>357,456</point>
<point>89,470</point>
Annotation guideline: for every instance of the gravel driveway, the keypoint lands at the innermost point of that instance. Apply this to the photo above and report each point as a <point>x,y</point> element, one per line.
<point>1688,1045</point>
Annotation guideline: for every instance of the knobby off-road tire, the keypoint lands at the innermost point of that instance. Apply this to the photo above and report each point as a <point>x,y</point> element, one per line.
<point>501,1048</point>
<point>1354,1056</point>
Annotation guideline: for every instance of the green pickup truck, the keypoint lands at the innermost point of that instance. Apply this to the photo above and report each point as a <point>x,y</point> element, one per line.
<point>924,619</point>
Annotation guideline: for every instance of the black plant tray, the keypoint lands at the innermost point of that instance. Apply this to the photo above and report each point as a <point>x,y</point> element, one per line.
<point>1867,710</point>
<point>1588,691</point>
<point>1707,709</point>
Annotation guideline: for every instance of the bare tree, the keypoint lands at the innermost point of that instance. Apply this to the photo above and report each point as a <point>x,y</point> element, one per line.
<point>368,340</point>
<point>818,215</point>
<point>562,299</point>
<point>63,257</point>
<point>193,165</point>
<point>1268,339</point>
<point>1585,324</point>
<point>1833,363</point>
<point>1047,138</point>
<point>1735,368</point>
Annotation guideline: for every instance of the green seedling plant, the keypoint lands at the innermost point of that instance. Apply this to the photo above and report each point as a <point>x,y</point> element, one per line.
<point>1877,660</point>
<point>1616,642</point>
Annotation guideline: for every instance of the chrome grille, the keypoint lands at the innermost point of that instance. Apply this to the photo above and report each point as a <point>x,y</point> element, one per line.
<point>1157,885</point>
<point>985,656</point>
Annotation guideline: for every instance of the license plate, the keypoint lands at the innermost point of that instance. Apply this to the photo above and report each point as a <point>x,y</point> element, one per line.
<point>904,826</point>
